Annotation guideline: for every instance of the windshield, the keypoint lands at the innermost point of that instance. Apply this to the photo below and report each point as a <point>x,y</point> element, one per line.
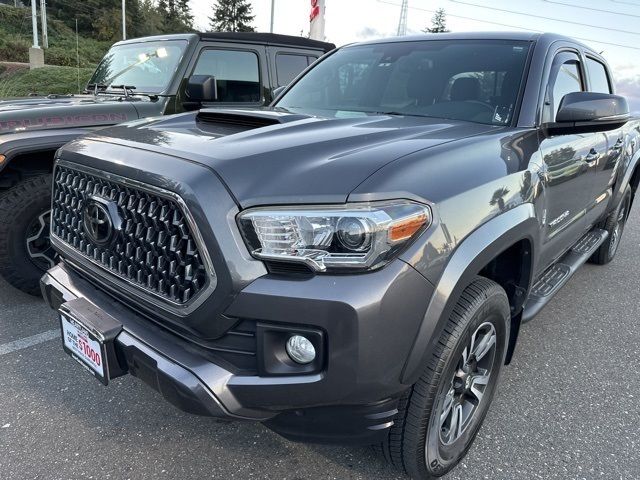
<point>472,80</point>
<point>148,66</point>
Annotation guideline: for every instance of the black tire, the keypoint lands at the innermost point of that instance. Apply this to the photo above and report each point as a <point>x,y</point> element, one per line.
<point>482,305</point>
<point>614,224</point>
<point>22,209</point>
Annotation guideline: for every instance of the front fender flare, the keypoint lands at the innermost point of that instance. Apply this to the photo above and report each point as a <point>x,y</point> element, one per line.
<point>18,143</point>
<point>473,253</point>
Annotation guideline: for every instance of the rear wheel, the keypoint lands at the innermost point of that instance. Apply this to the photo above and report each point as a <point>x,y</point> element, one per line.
<point>25,251</point>
<point>441,414</point>
<point>615,226</point>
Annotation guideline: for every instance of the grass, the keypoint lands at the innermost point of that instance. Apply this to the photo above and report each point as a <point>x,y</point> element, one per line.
<point>18,82</point>
<point>15,40</point>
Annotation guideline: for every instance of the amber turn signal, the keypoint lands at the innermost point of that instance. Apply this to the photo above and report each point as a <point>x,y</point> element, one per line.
<point>407,228</point>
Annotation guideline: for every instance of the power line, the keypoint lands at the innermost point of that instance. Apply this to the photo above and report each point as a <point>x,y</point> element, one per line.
<point>542,17</point>
<point>593,9</point>
<point>467,18</point>
<point>512,26</point>
<point>626,3</point>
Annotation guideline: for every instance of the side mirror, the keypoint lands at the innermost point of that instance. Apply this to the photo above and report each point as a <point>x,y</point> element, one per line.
<point>584,112</point>
<point>200,89</point>
<point>278,91</point>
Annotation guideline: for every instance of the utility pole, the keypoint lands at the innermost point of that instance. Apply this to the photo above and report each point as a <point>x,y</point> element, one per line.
<point>36,54</point>
<point>34,23</point>
<point>402,23</point>
<point>43,18</point>
<point>124,21</point>
<point>273,7</point>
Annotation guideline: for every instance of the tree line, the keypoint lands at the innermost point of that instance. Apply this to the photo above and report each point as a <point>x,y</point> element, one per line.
<point>101,19</point>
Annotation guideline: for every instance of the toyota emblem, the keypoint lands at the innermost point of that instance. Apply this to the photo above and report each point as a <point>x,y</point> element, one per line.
<point>101,221</point>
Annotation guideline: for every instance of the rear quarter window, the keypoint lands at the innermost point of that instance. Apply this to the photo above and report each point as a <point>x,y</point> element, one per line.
<point>598,78</point>
<point>288,66</point>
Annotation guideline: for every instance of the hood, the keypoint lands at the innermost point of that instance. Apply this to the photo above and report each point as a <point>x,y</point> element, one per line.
<point>266,157</point>
<point>39,113</point>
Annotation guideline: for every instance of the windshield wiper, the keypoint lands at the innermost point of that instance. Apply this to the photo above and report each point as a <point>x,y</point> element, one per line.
<point>96,87</point>
<point>127,89</point>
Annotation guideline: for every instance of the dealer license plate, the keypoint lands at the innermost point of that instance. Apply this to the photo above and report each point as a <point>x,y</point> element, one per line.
<point>84,347</point>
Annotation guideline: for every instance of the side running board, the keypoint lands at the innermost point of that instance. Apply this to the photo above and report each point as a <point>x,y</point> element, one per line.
<point>559,274</point>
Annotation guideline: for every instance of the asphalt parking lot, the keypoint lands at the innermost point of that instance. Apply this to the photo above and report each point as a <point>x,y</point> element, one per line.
<point>568,407</point>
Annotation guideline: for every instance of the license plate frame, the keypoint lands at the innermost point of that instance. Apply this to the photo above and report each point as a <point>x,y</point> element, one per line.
<point>88,336</point>
<point>80,344</point>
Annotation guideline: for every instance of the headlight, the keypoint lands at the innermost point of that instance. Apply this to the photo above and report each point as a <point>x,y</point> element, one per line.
<point>348,237</point>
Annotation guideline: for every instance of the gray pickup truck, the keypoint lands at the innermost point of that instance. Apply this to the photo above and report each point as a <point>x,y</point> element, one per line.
<point>353,263</point>
<point>139,78</point>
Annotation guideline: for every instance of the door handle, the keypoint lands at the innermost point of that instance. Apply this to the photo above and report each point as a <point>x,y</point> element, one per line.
<point>592,156</point>
<point>619,144</point>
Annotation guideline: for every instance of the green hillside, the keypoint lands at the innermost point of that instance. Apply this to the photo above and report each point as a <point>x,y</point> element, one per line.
<point>98,28</point>
<point>20,82</point>
<point>16,38</point>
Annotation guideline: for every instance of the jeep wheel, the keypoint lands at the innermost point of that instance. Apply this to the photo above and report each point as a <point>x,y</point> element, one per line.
<point>441,414</point>
<point>615,226</point>
<point>25,251</point>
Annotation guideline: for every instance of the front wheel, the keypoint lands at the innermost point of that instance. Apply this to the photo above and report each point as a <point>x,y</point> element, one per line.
<point>25,251</point>
<point>441,414</point>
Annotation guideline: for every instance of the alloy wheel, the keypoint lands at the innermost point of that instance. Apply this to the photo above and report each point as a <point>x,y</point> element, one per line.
<point>38,245</point>
<point>468,385</point>
<point>616,234</point>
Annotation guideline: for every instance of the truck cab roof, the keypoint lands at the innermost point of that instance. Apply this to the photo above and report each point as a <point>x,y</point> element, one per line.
<point>537,37</point>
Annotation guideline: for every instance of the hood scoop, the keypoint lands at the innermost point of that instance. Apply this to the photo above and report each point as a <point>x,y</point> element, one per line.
<point>247,118</point>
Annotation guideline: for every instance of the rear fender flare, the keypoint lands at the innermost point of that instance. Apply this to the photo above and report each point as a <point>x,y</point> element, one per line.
<point>476,251</point>
<point>625,179</point>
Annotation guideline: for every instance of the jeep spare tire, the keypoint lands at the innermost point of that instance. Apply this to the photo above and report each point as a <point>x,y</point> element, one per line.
<point>25,251</point>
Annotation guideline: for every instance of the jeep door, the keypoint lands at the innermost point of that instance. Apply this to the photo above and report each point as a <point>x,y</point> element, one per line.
<point>567,163</point>
<point>240,71</point>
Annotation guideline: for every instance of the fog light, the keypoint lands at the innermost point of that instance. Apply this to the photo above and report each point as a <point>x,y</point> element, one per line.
<point>300,349</point>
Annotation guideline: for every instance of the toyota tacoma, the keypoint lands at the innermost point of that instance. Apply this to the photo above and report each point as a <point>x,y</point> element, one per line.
<point>353,263</point>
<point>140,78</point>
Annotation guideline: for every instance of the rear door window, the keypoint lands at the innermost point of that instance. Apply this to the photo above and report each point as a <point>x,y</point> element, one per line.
<point>288,66</point>
<point>237,74</point>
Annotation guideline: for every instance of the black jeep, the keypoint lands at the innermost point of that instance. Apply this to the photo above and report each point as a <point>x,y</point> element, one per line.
<point>140,78</point>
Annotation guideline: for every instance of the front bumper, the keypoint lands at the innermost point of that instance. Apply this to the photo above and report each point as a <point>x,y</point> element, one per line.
<point>369,322</point>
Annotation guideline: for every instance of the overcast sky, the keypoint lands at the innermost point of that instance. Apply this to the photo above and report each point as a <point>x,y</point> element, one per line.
<point>609,26</point>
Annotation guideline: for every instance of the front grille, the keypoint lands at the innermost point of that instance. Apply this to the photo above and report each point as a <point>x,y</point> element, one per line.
<point>155,248</point>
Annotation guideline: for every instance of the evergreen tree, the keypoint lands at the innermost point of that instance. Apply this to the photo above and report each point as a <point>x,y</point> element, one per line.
<point>177,16</point>
<point>438,22</point>
<point>232,16</point>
